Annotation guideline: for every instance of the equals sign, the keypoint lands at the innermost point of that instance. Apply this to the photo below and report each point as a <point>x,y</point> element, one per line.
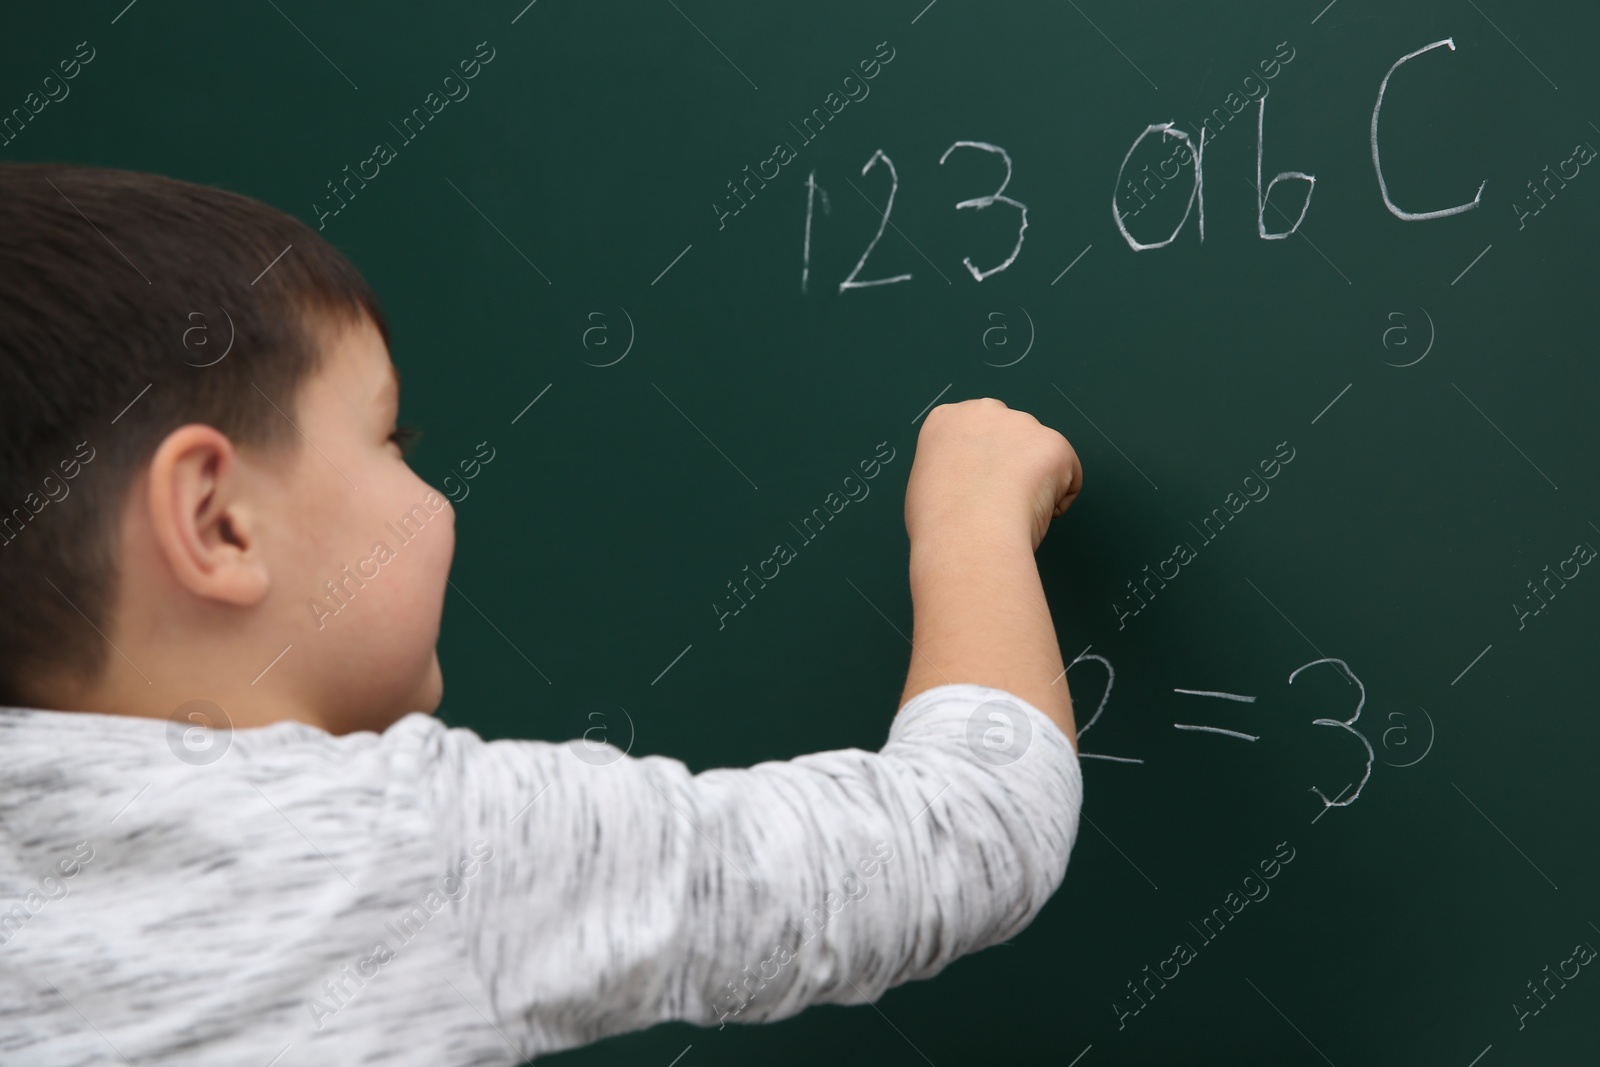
<point>1217,729</point>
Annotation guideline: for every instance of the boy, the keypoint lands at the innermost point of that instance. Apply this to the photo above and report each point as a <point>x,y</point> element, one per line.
<point>333,876</point>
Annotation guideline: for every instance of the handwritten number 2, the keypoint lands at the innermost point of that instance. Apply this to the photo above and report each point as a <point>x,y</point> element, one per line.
<point>1111,680</point>
<point>894,184</point>
<point>997,197</point>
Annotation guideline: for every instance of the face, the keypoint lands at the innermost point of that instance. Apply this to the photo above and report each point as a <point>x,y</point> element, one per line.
<point>361,546</point>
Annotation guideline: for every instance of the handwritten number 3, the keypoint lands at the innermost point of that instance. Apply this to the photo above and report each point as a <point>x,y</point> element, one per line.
<point>1343,724</point>
<point>981,202</point>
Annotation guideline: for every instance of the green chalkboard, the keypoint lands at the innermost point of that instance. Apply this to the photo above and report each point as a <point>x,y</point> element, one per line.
<point>1340,498</point>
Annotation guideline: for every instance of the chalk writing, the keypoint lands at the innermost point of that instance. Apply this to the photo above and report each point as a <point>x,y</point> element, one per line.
<point>1217,729</point>
<point>1383,186</point>
<point>894,185</point>
<point>811,126</point>
<point>812,189</point>
<point>1262,195</point>
<point>1196,191</point>
<point>978,203</point>
<point>1348,725</point>
<point>1111,679</point>
<point>998,196</point>
<point>1232,105</point>
<point>1188,150</point>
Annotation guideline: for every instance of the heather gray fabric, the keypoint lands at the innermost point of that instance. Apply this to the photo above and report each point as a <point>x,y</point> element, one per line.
<point>425,896</point>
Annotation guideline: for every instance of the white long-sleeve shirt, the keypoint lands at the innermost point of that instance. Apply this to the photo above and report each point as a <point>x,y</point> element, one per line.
<point>425,896</point>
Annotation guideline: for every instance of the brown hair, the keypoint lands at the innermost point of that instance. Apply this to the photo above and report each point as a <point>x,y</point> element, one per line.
<point>119,294</point>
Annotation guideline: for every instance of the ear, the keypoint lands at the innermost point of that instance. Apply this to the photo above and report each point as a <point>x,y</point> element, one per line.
<point>202,521</point>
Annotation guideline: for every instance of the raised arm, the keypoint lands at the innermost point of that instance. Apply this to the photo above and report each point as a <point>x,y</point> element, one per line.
<point>983,488</point>
<point>627,891</point>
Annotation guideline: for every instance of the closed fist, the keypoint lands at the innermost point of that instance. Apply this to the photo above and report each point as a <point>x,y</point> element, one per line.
<point>980,462</point>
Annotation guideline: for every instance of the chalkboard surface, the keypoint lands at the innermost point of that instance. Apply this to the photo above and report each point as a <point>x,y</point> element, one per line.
<point>661,275</point>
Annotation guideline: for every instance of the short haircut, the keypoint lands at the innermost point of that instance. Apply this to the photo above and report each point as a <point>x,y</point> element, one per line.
<point>119,293</point>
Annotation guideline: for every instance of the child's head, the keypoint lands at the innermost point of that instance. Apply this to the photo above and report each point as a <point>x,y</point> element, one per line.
<point>202,495</point>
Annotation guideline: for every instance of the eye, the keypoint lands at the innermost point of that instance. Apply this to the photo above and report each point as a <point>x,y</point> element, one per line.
<point>405,437</point>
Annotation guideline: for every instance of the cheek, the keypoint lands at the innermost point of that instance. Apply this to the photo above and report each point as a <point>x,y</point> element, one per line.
<point>394,614</point>
<point>320,528</point>
<point>412,583</point>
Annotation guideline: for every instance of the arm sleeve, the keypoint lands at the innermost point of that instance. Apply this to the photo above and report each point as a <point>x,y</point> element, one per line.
<point>625,891</point>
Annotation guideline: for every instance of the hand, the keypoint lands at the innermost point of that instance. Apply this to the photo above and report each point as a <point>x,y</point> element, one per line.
<point>979,461</point>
